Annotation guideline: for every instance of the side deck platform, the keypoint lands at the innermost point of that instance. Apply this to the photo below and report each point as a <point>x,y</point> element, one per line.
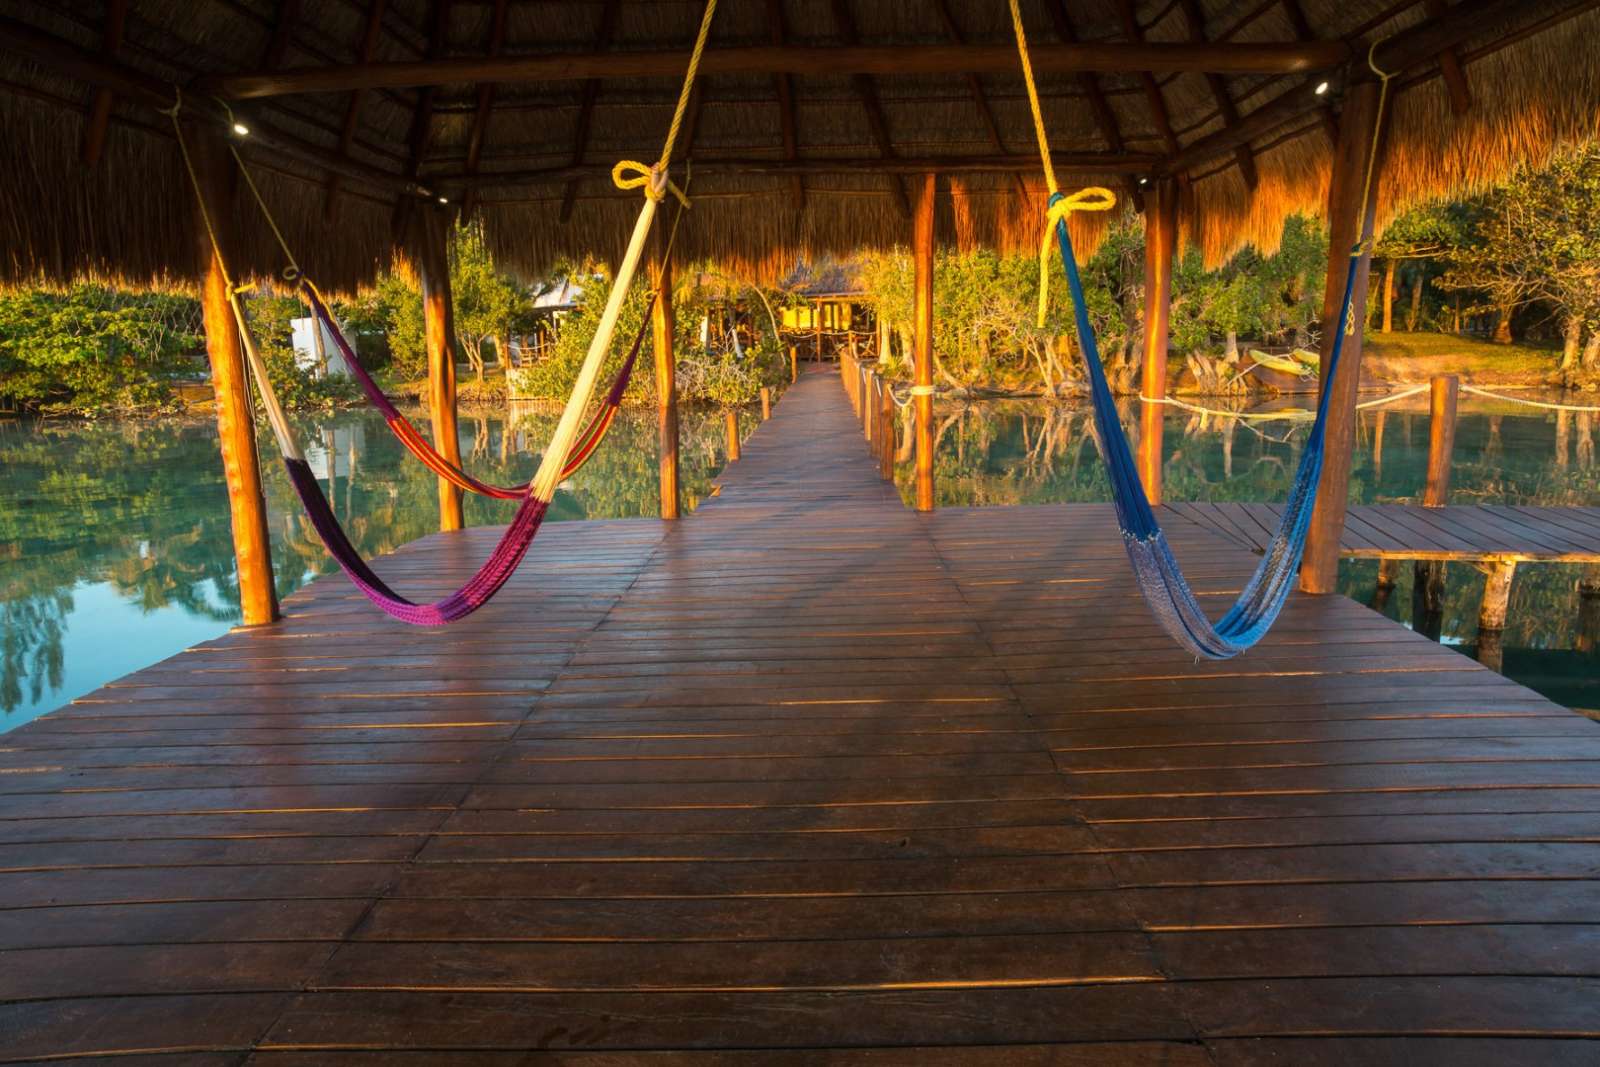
<point>805,771</point>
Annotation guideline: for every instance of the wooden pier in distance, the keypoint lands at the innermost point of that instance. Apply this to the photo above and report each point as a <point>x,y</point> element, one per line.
<point>805,771</point>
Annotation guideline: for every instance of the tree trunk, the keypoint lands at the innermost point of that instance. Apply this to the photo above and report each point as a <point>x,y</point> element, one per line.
<point>1231,351</point>
<point>1456,328</point>
<point>1591,351</point>
<point>1388,297</point>
<point>1571,338</point>
<point>1502,329</point>
<point>1414,316</point>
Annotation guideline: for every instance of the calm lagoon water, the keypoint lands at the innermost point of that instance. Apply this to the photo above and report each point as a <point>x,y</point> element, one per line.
<point>115,549</point>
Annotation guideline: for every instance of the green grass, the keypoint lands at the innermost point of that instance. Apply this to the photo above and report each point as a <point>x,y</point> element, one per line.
<point>1419,356</point>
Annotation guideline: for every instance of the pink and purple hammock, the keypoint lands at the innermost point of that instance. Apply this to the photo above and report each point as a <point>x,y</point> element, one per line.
<point>514,543</point>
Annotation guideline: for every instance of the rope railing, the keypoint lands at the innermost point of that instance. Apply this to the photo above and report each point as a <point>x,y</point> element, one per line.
<point>1545,404</point>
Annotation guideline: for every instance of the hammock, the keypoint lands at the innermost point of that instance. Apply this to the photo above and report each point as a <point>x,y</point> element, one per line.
<point>407,433</point>
<point>1155,569</point>
<point>564,444</point>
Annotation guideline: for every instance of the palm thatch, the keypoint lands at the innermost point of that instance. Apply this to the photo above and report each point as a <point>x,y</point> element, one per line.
<point>539,174</point>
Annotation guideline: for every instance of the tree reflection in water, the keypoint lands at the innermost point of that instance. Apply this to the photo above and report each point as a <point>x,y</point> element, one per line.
<point>141,508</point>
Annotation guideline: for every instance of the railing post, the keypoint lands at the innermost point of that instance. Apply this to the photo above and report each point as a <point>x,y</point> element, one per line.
<point>766,403</point>
<point>886,442</point>
<point>794,365</point>
<point>731,417</point>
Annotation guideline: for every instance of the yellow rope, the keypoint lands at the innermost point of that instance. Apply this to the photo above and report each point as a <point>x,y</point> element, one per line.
<point>630,173</point>
<point>1091,199</point>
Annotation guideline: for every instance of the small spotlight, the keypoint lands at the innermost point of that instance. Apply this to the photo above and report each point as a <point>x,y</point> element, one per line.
<point>241,129</point>
<point>444,200</point>
<point>1144,181</point>
<point>1322,88</point>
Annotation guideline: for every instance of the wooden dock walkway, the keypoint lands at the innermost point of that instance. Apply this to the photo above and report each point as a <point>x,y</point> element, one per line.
<point>806,771</point>
<point>1476,533</point>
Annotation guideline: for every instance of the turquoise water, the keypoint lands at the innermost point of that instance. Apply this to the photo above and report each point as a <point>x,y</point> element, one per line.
<point>115,549</point>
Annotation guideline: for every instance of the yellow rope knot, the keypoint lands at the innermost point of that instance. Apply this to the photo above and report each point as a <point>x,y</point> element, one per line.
<point>631,174</point>
<point>1093,198</point>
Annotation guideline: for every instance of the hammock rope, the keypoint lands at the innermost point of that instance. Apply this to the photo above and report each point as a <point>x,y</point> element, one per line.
<point>1156,570</point>
<point>518,537</point>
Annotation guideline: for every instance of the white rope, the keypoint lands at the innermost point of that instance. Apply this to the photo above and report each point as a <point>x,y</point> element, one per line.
<point>1530,403</point>
<point>1282,415</point>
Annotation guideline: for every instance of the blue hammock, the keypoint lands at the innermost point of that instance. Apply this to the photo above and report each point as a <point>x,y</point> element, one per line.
<point>1159,577</point>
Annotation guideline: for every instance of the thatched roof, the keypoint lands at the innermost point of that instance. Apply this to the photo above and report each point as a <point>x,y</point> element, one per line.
<point>788,165</point>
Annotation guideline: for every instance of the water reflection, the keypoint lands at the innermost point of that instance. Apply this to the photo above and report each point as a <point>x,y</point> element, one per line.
<point>116,551</point>
<point>1031,452</point>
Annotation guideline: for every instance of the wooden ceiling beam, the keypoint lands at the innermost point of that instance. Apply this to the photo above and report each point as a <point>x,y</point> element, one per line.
<point>98,120</point>
<point>783,86</point>
<point>1159,116</point>
<point>1455,77</point>
<point>867,90</point>
<point>1284,57</point>
<point>1195,17</point>
<point>1082,162</point>
<point>1416,46</point>
<point>485,106</point>
<point>366,48</point>
<point>591,92</point>
<point>980,99</point>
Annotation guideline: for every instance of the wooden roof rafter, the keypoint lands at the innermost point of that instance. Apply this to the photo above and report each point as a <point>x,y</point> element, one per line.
<point>867,90</point>
<point>1195,18</point>
<point>485,102</point>
<point>591,93</point>
<point>1455,77</point>
<point>366,48</point>
<point>980,99</point>
<point>783,87</point>
<point>98,120</point>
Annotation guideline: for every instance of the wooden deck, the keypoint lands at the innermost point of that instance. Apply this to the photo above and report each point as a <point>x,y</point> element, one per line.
<point>805,771</point>
<point>1475,533</point>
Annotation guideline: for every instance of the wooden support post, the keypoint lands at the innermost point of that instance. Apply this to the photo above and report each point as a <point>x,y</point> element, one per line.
<point>866,403</point>
<point>1160,245</point>
<point>816,326</point>
<point>430,238</point>
<point>1349,221</point>
<point>794,364</point>
<point>661,333</point>
<point>1441,443</point>
<point>766,403</point>
<point>1388,573</point>
<point>922,333</point>
<point>731,417</point>
<point>217,175</point>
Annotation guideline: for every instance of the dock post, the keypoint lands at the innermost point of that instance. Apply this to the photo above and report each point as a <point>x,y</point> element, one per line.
<point>794,364</point>
<point>867,383</point>
<point>236,436</point>
<point>1160,244</point>
<point>661,334</point>
<point>922,333</point>
<point>1436,493</point>
<point>766,403</point>
<point>430,246</point>
<point>1349,221</point>
<point>886,442</point>
<point>731,417</point>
